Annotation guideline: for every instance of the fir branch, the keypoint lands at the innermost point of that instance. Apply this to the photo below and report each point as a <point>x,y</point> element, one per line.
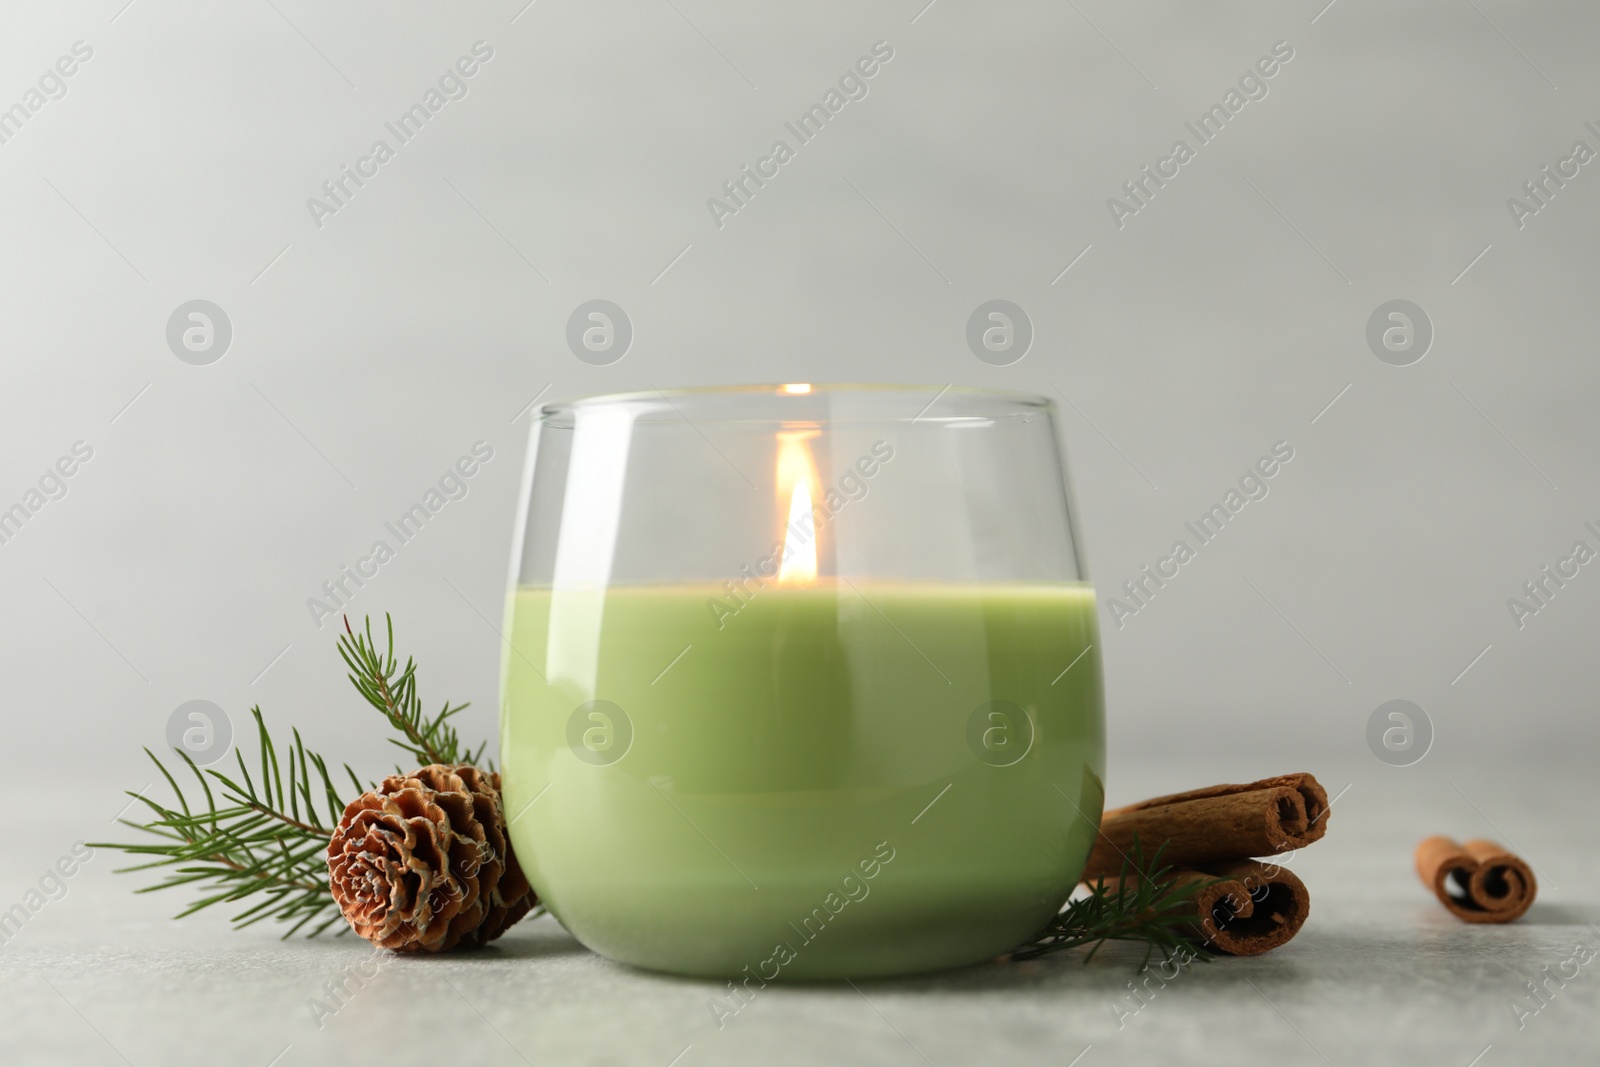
<point>262,838</point>
<point>267,842</point>
<point>384,684</point>
<point>1145,905</point>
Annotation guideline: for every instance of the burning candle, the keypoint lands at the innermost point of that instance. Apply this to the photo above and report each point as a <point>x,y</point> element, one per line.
<point>815,724</point>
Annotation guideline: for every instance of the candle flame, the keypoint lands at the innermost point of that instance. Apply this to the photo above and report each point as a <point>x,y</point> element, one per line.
<point>797,479</point>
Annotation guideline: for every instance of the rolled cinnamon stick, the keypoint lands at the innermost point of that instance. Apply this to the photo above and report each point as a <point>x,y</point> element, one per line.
<point>1256,908</point>
<point>1478,881</point>
<point>1218,824</point>
<point>1247,908</point>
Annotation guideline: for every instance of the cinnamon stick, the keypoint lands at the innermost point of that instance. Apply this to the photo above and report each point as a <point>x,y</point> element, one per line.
<point>1256,908</point>
<point>1218,824</point>
<point>1479,881</point>
<point>1248,907</point>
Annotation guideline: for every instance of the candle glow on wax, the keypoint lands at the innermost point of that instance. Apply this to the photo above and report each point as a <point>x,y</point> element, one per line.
<point>797,475</point>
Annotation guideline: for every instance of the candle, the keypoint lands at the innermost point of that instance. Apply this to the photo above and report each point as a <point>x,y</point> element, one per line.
<point>795,773</point>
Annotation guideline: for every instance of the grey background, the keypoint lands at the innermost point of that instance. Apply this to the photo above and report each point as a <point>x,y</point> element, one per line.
<point>369,354</point>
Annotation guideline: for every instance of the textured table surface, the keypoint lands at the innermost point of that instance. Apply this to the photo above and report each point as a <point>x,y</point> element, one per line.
<point>1380,973</point>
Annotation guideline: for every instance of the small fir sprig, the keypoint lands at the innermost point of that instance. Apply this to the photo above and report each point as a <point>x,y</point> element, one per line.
<point>266,842</point>
<point>1145,905</point>
<point>384,684</point>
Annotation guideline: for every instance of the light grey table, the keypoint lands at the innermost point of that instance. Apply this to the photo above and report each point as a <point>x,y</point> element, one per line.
<point>1380,973</point>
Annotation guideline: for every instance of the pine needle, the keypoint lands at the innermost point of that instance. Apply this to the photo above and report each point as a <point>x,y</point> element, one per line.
<point>1145,905</point>
<point>269,841</point>
<point>263,839</point>
<point>384,684</point>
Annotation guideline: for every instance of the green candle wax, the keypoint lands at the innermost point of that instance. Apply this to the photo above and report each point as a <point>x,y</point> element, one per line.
<point>843,780</point>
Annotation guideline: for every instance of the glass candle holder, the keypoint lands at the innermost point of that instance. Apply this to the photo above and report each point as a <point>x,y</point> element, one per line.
<point>802,682</point>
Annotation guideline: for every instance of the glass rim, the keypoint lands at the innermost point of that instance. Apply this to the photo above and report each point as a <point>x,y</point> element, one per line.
<point>799,391</point>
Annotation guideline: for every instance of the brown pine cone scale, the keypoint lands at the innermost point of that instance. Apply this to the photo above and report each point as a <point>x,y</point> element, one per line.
<point>423,863</point>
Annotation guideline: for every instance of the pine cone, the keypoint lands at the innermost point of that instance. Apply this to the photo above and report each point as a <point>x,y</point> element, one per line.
<point>423,863</point>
